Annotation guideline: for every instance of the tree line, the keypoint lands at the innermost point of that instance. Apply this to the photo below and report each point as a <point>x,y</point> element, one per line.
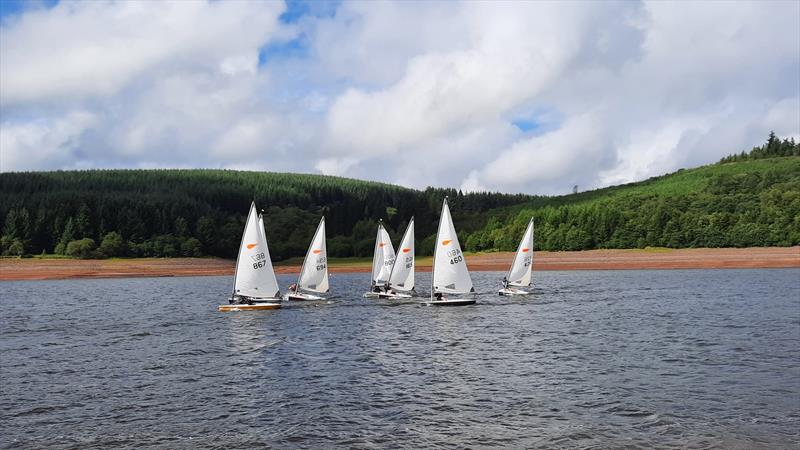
<point>749,199</point>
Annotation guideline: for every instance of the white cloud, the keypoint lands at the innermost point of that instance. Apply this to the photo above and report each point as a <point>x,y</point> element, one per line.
<point>416,93</point>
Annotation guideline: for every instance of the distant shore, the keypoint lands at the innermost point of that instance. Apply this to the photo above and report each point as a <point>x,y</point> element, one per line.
<point>702,258</point>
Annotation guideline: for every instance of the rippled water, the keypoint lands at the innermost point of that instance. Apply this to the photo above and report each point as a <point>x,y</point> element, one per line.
<point>599,359</point>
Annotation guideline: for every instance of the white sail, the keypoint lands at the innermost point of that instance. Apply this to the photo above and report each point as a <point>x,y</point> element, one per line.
<point>254,274</point>
<point>520,272</point>
<point>314,273</point>
<point>450,273</point>
<point>384,257</point>
<point>402,276</point>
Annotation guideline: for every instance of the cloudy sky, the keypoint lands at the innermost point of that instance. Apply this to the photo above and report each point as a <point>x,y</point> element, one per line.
<point>518,97</point>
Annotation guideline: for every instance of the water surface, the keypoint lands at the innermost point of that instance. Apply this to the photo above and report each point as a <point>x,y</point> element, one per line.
<point>595,359</point>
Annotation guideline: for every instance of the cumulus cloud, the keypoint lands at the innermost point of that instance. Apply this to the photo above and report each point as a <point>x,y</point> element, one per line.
<point>517,96</point>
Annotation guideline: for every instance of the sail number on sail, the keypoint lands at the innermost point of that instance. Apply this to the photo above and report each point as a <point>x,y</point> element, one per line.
<point>260,261</point>
<point>321,263</point>
<point>455,256</point>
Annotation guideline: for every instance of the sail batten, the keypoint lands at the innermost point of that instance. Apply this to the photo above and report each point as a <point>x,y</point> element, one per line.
<point>450,272</point>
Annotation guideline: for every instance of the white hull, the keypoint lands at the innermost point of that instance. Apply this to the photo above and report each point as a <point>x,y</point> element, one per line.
<point>451,302</point>
<point>255,307</point>
<point>395,295</point>
<point>383,294</point>
<point>512,291</point>
<point>300,297</point>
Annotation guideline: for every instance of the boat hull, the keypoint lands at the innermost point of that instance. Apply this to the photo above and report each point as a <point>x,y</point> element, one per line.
<point>453,302</point>
<point>511,291</point>
<point>302,297</point>
<point>254,307</point>
<point>388,295</point>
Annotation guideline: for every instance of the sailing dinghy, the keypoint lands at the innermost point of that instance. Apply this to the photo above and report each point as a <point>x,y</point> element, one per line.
<point>519,275</point>
<point>314,273</point>
<point>450,273</point>
<point>254,283</point>
<point>401,277</point>
<point>382,262</point>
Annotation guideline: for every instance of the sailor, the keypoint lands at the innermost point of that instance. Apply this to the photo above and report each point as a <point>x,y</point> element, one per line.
<point>505,283</point>
<point>376,289</point>
<point>438,296</point>
<point>293,288</point>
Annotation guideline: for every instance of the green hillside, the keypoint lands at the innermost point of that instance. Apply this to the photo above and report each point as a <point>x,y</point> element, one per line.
<point>734,204</point>
<point>748,199</point>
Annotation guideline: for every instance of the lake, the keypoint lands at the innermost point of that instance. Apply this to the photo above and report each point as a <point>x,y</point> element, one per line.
<point>594,359</point>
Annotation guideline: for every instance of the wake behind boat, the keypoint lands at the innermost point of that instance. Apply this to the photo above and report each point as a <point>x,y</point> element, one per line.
<point>519,274</point>
<point>254,285</point>
<point>314,272</point>
<point>450,273</point>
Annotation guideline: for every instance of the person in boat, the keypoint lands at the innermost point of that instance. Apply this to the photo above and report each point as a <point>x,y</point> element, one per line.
<point>376,289</point>
<point>505,283</point>
<point>293,288</point>
<point>438,296</point>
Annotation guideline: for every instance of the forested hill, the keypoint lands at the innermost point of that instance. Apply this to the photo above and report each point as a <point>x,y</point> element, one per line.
<point>748,199</point>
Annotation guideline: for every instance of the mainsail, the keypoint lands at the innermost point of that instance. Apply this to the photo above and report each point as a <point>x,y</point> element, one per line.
<point>314,273</point>
<point>450,274</point>
<point>520,272</point>
<point>254,274</point>
<point>402,276</point>
<point>383,258</point>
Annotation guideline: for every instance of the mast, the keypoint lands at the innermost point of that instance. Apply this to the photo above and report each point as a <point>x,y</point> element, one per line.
<point>436,244</point>
<point>310,245</point>
<point>241,241</point>
<point>373,282</point>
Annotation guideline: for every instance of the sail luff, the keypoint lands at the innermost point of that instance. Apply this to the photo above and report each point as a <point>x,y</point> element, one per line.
<point>376,266</point>
<point>241,243</point>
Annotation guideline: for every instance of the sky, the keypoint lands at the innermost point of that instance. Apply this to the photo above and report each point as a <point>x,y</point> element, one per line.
<point>530,97</point>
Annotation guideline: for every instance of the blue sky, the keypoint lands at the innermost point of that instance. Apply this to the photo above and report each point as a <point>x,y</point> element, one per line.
<point>518,97</point>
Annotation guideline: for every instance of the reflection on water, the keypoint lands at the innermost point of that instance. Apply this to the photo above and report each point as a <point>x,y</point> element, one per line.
<point>593,360</point>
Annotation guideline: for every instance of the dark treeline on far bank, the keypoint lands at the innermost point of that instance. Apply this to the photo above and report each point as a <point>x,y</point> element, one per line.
<point>748,199</point>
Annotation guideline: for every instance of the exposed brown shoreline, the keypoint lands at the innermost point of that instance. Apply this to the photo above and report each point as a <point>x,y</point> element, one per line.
<point>703,258</point>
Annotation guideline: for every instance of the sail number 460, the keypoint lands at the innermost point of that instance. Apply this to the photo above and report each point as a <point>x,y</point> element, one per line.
<point>455,256</point>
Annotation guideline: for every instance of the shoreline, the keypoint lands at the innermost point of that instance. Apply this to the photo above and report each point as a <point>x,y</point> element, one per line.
<point>14,269</point>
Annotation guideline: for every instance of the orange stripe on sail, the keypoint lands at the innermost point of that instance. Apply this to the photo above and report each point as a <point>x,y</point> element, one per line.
<point>406,250</point>
<point>250,246</point>
<point>316,252</point>
<point>447,242</point>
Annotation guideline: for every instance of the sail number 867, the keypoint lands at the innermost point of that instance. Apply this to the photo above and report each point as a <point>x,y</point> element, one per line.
<point>261,259</point>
